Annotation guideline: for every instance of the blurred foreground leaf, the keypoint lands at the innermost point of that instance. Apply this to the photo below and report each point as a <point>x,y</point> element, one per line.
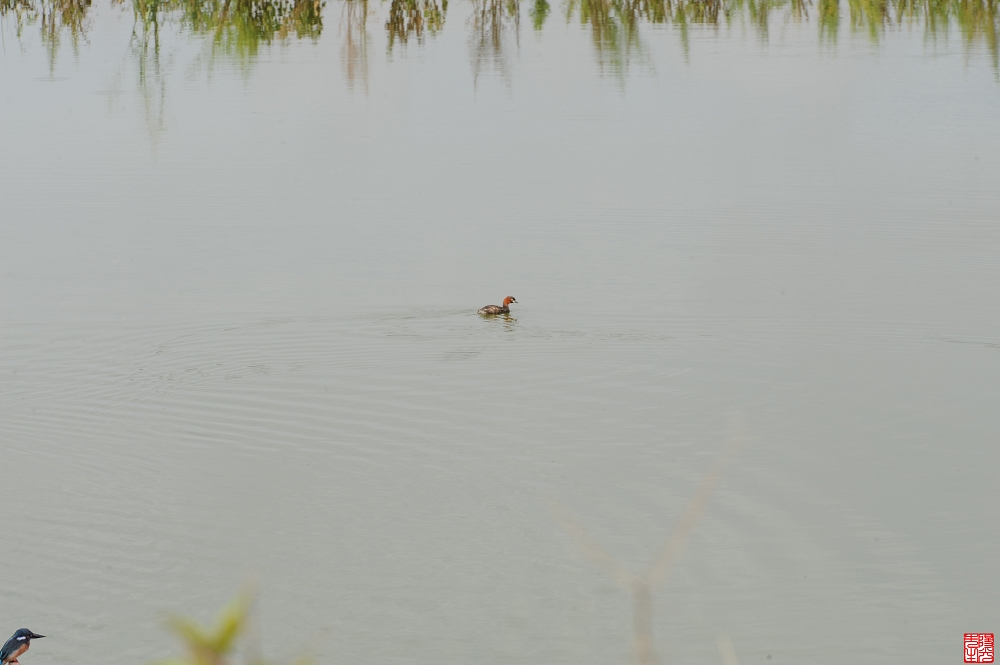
<point>217,644</point>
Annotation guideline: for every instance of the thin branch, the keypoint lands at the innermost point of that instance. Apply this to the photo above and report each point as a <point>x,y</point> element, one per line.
<point>592,549</point>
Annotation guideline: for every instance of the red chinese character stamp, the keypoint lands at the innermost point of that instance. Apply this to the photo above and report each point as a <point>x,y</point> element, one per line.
<point>978,647</point>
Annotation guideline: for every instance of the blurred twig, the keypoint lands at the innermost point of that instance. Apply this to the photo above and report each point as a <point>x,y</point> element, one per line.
<point>727,651</point>
<point>642,586</point>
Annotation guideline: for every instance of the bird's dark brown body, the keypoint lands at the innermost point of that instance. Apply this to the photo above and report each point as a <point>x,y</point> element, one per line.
<point>493,310</point>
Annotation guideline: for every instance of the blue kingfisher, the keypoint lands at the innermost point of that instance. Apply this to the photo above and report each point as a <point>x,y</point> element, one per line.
<point>16,645</point>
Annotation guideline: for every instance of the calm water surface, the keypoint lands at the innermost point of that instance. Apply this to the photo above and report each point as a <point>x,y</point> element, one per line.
<point>238,283</point>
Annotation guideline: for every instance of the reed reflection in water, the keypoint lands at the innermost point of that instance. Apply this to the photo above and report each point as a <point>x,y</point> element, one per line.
<point>55,18</point>
<point>238,28</point>
<point>414,20</point>
<point>615,24</point>
<point>495,26</point>
<point>354,52</point>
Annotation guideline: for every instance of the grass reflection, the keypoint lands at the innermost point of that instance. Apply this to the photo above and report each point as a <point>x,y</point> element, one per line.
<point>414,19</point>
<point>354,53</point>
<point>539,12</point>
<point>615,25</point>
<point>56,19</point>
<point>240,27</point>
<point>976,20</point>
<point>828,19</point>
<point>237,27</point>
<point>612,25</point>
<point>495,26</point>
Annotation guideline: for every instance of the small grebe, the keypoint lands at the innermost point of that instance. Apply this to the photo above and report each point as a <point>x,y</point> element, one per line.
<point>493,310</point>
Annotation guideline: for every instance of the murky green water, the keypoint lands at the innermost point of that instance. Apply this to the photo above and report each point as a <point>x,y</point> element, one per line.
<point>241,251</point>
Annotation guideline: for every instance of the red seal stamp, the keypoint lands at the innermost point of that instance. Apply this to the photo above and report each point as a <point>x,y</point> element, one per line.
<point>978,647</point>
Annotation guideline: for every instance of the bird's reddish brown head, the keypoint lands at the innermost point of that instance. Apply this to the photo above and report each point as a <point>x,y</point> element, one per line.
<point>508,300</point>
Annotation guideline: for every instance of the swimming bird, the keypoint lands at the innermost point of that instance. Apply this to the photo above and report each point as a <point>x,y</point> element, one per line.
<point>493,310</point>
<point>16,645</point>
